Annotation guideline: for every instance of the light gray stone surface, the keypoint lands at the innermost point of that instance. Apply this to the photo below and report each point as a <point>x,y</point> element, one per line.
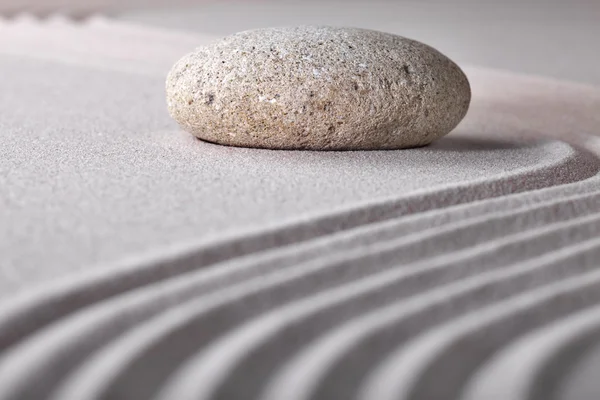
<point>319,88</point>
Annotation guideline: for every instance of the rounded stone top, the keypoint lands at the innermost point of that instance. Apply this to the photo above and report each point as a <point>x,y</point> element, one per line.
<point>319,88</point>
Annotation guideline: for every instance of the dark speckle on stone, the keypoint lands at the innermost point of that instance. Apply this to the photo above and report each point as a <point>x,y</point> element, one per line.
<point>374,90</point>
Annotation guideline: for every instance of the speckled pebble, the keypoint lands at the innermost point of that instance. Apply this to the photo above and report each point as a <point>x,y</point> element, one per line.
<point>320,88</point>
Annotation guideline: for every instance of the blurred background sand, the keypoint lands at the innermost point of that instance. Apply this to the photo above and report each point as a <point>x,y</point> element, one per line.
<point>552,38</point>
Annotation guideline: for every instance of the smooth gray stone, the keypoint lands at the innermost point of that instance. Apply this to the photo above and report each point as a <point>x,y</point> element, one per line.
<point>318,88</point>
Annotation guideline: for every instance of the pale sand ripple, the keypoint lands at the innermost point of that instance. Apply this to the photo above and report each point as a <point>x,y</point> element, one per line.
<point>287,283</point>
<point>524,366</point>
<point>317,370</point>
<point>162,264</point>
<point>576,376</point>
<point>274,335</point>
<point>325,296</point>
<point>209,281</point>
<point>414,365</point>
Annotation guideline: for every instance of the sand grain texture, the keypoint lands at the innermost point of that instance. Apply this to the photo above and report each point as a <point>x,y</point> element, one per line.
<point>131,270</point>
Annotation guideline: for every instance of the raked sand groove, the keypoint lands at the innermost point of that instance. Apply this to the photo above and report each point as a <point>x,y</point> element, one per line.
<point>333,348</point>
<point>343,275</point>
<point>94,378</point>
<point>547,350</point>
<point>396,252</point>
<point>77,292</point>
<point>221,354</point>
<point>576,378</point>
<point>33,309</point>
<point>498,323</point>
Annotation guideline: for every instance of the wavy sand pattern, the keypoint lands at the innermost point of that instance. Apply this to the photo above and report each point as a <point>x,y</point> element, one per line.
<point>139,263</point>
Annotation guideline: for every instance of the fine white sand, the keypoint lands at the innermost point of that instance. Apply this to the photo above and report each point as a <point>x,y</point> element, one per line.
<point>138,262</point>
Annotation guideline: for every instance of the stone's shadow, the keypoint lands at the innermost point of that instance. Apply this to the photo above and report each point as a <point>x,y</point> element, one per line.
<point>468,144</point>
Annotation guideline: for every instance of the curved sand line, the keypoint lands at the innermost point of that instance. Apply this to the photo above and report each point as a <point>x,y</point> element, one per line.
<point>495,205</point>
<point>147,301</point>
<point>298,372</point>
<point>118,351</point>
<point>232,348</point>
<point>417,269</point>
<point>515,372</point>
<point>41,306</point>
<point>579,381</point>
<point>308,369</point>
<point>405,373</point>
